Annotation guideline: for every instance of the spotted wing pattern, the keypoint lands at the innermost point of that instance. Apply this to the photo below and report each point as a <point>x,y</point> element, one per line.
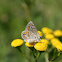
<point>31,27</point>
<point>30,34</point>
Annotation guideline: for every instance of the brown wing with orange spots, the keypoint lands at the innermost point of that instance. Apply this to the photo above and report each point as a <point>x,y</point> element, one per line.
<point>31,27</point>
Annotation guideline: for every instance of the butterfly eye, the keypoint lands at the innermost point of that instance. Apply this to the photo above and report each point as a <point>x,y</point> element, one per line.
<point>40,37</point>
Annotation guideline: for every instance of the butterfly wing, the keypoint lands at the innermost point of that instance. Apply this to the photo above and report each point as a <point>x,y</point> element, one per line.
<point>31,33</point>
<point>24,35</point>
<point>31,27</point>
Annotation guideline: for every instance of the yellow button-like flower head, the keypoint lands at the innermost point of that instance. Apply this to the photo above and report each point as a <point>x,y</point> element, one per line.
<point>58,33</point>
<point>44,41</point>
<point>49,36</point>
<point>55,41</point>
<point>59,47</point>
<point>57,44</point>
<point>46,30</point>
<point>40,33</point>
<point>29,44</point>
<point>17,42</point>
<point>40,46</point>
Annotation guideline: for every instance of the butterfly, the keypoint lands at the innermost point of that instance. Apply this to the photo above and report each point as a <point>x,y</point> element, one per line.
<point>30,34</point>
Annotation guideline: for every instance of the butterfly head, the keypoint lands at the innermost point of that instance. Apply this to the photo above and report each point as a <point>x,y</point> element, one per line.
<point>38,38</point>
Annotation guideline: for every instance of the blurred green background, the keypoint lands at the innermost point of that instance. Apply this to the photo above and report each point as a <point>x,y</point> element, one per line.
<point>14,16</point>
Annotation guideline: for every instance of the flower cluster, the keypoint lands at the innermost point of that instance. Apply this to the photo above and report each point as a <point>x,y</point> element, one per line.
<point>52,36</point>
<point>57,44</point>
<point>41,45</point>
<point>48,35</point>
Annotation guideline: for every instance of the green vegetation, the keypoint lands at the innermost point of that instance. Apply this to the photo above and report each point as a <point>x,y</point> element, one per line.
<point>14,16</point>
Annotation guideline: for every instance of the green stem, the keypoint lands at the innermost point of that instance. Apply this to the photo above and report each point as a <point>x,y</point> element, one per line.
<point>46,57</point>
<point>38,55</point>
<point>35,60</point>
<point>34,54</point>
<point>54,58</point>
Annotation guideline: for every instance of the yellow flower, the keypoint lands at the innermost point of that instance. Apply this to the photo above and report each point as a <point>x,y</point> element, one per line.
<point>40,33</point>
<point>59,47</point>
<point>49,36</point>
<point>29,44</point>
<point>16,42</point>
<point>46,30</point>
<point>58,33</point>
<point>57,44</point>
<point>44,41</point>
<point>42,46</point>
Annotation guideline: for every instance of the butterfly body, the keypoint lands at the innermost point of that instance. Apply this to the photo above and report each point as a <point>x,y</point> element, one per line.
<point>30,34</point>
